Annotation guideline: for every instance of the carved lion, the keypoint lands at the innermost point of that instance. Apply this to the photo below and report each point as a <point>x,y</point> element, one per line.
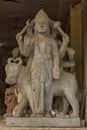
<point>10,100</point>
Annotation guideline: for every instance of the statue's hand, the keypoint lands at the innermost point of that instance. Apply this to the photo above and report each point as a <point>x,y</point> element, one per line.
<point>28,22</point>
<point>18,36</point>
<point>65,38</point>
<point>56,25</point>
<point>56,73</point>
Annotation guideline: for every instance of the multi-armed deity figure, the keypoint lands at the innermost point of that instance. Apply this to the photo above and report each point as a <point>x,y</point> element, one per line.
<point>45,62</point>
<point>45,75</point>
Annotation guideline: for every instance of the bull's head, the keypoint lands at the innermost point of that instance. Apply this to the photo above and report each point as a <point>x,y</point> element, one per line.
<point>12,70</point>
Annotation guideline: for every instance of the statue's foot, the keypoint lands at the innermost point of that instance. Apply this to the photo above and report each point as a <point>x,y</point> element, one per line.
<point>74,115</point>
<point>61,114</point>
<point>32,115</point>
<point>39,116</point>
<point>7,115</point>
<point>27,115</point>
<point>39,113</point>
<point>36,115</point>
<point>48,115</point>
<point>53,113</point>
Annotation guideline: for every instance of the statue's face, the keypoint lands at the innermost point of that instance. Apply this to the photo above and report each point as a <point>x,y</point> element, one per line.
<point>41,25</point>
<point>9,94</point>
<point>12,71</point>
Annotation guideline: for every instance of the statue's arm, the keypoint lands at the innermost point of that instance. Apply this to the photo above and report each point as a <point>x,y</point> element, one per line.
<point>56,61</point>
<point>64,46</point>
<point>20,42</point>
<point>23,47</point>
<point>24,43</point>
<point>56,57</point>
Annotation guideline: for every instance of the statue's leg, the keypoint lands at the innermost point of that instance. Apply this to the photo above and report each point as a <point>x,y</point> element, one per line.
<point>18,110</point>
<point>41,103</point>
<point>65,105</point>
<point>72,100</point>
<point>38,97</point>
<point>29,95</point>
<point>48,97</point>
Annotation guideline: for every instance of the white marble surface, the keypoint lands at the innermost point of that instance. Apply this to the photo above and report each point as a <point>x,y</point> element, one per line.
<point>43,122</point>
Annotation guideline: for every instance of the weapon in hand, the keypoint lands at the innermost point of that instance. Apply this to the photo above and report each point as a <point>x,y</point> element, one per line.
<point>28,24</point>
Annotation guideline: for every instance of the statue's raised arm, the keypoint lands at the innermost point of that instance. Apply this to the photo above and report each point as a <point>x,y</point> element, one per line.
<point>24,38</point>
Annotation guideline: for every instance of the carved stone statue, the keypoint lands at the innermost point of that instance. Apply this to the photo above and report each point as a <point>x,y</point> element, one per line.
<point>65,86</point>
<point>43,77</point>
<point>45,62</point>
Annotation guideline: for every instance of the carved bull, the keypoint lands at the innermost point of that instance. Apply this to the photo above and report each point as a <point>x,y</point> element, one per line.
<point>65,86</point>
<point>16,73</point>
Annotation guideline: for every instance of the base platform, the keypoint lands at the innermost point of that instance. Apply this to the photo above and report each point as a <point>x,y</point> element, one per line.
<point>43,122</point>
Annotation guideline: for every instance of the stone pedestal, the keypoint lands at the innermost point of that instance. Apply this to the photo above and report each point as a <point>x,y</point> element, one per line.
<point>43,122</point>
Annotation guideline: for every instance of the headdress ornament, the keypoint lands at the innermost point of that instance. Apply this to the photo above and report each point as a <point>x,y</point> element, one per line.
<point>41,14</point>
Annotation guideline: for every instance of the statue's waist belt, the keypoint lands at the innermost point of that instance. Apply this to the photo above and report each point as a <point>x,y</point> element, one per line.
<point>46,57</point>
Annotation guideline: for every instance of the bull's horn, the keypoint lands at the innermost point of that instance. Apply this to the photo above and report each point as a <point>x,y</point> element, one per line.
<point>19,60</point>
<point>10,60</point>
